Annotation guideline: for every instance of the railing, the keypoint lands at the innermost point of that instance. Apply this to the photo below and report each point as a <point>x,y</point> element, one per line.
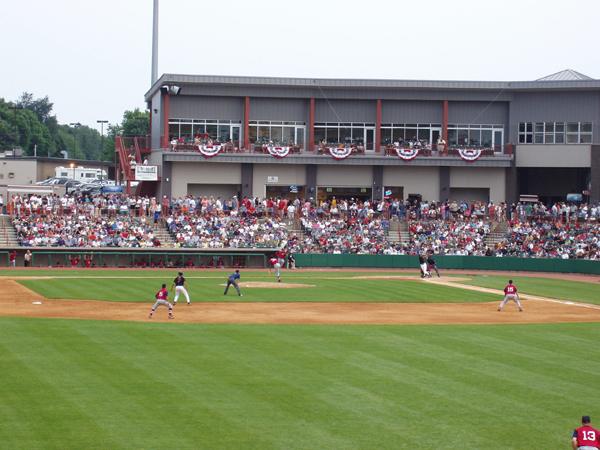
<point>362,149</point>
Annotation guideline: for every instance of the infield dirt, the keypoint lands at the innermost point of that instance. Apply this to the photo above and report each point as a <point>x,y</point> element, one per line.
<point>20,301</point>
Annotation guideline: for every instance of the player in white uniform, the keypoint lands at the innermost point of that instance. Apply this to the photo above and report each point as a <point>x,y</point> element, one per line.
<point>180,286</point>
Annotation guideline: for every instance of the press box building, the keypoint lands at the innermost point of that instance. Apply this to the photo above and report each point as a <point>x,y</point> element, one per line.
<point>534,137</point>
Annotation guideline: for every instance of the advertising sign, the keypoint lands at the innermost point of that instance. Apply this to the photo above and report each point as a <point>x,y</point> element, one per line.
<point>146,173</point>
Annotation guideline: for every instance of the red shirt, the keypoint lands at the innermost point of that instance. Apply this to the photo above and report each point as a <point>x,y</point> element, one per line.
<point>510,290</point>
<point>74,262</point>
<point>274,261</point>
<point>162,294</point>
<point>587,435</point>
<point>88,263</point>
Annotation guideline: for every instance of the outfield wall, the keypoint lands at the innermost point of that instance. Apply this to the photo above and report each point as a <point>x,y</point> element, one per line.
<point>450,262</point>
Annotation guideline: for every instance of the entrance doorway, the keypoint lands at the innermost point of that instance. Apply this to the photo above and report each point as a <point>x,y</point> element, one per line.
<point>369,140</point>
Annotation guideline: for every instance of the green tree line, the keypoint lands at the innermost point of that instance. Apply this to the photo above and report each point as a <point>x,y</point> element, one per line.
<point>29,124</point>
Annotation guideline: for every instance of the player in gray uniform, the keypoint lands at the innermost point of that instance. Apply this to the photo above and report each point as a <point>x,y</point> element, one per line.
<point>181,286</point>
<point>274,263</point>
<point>233,279</point>
<point>162,299</point>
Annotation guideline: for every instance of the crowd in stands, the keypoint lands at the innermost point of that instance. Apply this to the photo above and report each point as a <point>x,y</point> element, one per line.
<point>330,226</point>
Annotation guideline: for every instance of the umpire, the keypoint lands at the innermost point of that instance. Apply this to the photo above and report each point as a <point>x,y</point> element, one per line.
<point>233,279</point>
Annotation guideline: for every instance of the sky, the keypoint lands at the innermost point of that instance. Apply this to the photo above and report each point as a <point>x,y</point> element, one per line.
<point>93,59</point>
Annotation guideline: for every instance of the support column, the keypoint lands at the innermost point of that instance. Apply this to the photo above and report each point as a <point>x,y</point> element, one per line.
<point>247,123</point>
<point>166,118</point>
<point>377,192</point>
<point>512,187</point>
<point>166,177</point>
<point>311,127</point>
<point>378,128</point>
<point>595,175</point>
<point>444,183</point>
<point>247,180</point>
<point>311,181</point>
<point>445,126</point>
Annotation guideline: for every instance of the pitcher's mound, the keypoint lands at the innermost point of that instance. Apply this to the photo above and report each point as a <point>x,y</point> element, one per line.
<point>262,284</point>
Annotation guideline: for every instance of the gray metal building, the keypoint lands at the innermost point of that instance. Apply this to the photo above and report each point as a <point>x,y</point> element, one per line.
<point>531,137</point>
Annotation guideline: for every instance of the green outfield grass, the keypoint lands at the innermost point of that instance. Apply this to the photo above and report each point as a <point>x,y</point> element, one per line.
<point>211,290</point>
<point>544,287</point>
<point>72,384</point>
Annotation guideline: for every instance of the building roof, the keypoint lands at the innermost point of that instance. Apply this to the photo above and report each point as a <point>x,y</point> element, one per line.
<point>566,75</point>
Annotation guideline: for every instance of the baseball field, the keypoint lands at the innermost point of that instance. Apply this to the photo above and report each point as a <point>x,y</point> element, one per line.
<point>324,360</point>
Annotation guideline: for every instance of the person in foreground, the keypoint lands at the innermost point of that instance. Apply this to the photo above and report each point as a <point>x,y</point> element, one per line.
<point>585,437</point>
<point>162,299</point>
<point>511,293</point>
<point>233,279</point>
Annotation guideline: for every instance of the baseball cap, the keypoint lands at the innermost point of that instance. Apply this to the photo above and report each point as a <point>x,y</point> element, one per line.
<point>585,419</point>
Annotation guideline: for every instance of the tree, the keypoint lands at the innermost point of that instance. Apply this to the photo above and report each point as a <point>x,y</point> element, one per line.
<point>136,123</point>
<point>41,107</point>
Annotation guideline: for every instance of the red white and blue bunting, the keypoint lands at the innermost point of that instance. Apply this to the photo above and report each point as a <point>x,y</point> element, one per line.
<point>340,153</point>
<point>209,151</point>
<point>469,154</point>
<point>407,153</point>
<point>279,152</point>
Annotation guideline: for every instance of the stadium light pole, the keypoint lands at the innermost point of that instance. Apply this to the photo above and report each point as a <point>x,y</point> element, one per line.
<point>74,125</point>
<point>101,122</point>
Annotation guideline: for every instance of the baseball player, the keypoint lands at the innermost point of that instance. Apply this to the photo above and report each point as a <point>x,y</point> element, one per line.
<point>74,260</point>
<point>432,265</point>
<point>585,437</point>
<point>162,299</point>
<point>424,269</point>
<point>274,263</point>
<point>511,293</point>
<point>180,286</point>
<point>281,256</point>
<point>13,259</point>
<point>233,279</point>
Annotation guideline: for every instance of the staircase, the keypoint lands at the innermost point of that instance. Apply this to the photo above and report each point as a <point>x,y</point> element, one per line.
<point>404,234</point>
<point>162,234</point>
<point>8,235</point>
<point>497,232</point>
<point>146,189</point>
<point>394,233</point>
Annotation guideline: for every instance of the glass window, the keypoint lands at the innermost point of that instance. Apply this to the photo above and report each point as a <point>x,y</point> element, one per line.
<point>276,133</point>
<point>319,134</point>
<point>486,138</point>
<point>186,130</point>
<point>423,134</point>
<point>559,138</point>
<point>463,137</point>
<point>386,136</point>
<point>572,139</point>
<point>585,138</point>
<point>410,133</point>
<point>522,127</point>
<point>572,127</point>
<point>288,135</point>
<point>264,134</point>
<point>253,134</point>
<point>586,127</point>
<point>211,130</point>
<point>539,138</point>
<point>539,127</point>
<point>300,131</point>
<point>224,131</point>
<point>549,139</point>
<point>358,133</point>
<point>398,135</point>
<point>452,137</point>
<point>530,128</point>
<point>559,127</point>
<point>332,135</point>
<point>173,130</point>
<point>521,138</point>
<point>475,137</point>
<point>549,127</point>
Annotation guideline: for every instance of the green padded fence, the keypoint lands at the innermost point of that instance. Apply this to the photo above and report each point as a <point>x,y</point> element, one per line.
<point>450,262</point>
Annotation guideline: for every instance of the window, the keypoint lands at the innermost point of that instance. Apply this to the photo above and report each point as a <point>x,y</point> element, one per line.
<point>487,136</point>
<point>283,132</point>
<point>555,132</point>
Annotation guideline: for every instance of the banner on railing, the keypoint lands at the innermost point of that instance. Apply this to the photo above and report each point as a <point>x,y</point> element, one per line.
<point>209,151</point>
<point>340,153</point>
<point>469,154</point>
<point>146,173</point>
<point>407,153</point>
<point>279,152</point>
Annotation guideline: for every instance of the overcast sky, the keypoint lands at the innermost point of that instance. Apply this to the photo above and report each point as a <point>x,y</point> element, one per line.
<point>93,59</point>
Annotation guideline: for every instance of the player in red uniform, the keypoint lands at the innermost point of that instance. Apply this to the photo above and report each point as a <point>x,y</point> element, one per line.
<point>585,437</point>
<point>74,260</point>
<point>87,262</point>
<point>274,263</point>
<point>162,298</point>
<point>511,293</point>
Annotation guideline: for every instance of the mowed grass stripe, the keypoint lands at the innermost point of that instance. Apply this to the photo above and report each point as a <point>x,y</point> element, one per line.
<point>545,287</point>
<point>99,384</point>
<point>211,290</point>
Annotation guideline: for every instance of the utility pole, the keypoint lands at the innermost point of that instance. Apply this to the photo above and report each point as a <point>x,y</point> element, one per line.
<point>15,108</point>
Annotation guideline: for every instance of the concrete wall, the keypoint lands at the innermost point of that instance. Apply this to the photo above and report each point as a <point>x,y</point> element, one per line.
<point>424,180</point>
<point>403,112</point>
<point>203,174</point>
<point>187,107</point>
<point>480,177</point>
<point>287,174</point>
<point>345,176</point>
<point>347,110</point>
<point>553,155</point>
<point>279,109</point>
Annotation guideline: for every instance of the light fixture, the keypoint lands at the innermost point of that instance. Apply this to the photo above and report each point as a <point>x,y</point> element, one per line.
<point>171,89</point>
